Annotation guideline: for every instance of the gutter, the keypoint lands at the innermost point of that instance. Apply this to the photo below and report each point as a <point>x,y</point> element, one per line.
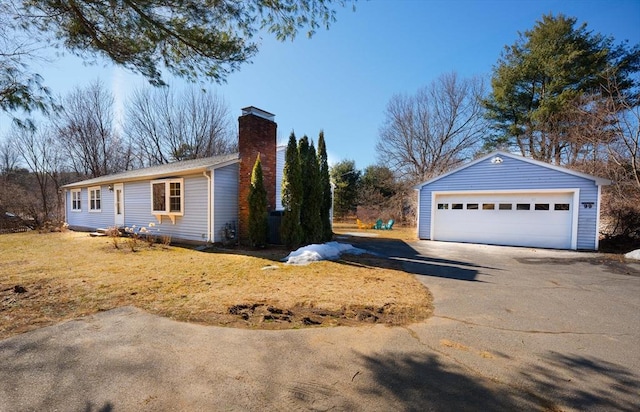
<point>209,209</point>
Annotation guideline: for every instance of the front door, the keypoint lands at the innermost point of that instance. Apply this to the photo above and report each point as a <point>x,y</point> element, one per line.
<point>118,204</point>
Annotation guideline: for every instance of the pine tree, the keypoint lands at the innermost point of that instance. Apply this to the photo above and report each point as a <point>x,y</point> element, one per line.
<point>541,78</point>
<point>312,197</point>
<point>346,178</point>
<point>325,188</point>
<point>290,229</point>
<point>258,223</point>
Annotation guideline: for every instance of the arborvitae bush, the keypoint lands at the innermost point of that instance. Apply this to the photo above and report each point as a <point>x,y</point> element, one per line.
<point>290,229</point>
<point>325,189</point>
<point>258,223</point>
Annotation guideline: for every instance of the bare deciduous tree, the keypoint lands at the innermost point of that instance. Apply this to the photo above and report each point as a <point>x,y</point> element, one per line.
<point>434,130</point>
<point>604,140</point>
<point>624,149</point>
<point>41,155</point>
<point>86,129</point>
<point>9,157</point>
<point>165,126</point>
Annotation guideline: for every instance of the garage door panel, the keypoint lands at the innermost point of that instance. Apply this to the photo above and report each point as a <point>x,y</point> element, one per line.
<point>542,228</point>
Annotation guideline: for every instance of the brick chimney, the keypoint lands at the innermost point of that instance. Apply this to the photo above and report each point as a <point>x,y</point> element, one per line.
<point>256,134</point>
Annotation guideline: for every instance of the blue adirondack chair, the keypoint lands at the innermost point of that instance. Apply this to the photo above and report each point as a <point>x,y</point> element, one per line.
<point>378,224</point>
<point>389,225</point>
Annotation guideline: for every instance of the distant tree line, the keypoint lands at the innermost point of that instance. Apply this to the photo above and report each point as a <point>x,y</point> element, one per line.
<point>376,192</point>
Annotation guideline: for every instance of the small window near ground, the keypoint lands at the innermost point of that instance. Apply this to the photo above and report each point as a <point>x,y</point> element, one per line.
<point>76,204</point>
<point>523,206</point>
<point>94,199</point>
<point>443,206</point>
<point>488,206</point>
<point>542,206</point>
<point>472,206</point>
<point>561,206</point>
<point>505,206</point>
<point>456,206</point>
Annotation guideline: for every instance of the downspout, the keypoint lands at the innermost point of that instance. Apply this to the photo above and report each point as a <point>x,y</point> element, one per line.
<point>597,240</point>
<point>66,216</point>
<point>209,209</point>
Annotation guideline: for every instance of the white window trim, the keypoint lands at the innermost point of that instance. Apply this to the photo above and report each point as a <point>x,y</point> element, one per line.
<point>93,189</point>
<point>79,199</point>
<point>167,193</point>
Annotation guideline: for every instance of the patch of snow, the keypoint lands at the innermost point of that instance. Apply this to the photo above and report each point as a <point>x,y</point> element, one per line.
<point>634,254</point>
<point>270,267</point>
<point>326,251</point>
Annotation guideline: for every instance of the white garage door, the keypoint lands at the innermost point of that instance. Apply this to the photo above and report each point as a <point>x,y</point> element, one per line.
<point>517,219</point>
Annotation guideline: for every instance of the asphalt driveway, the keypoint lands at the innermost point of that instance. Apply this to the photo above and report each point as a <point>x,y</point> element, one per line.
<point>514,329</point>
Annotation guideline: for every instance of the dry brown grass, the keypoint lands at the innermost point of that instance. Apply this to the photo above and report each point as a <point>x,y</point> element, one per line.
<point>68,275</point>
<point>398,232</point>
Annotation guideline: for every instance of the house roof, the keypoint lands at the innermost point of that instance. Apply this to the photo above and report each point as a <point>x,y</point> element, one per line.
<point>598,181</point>
<point>165,170</point>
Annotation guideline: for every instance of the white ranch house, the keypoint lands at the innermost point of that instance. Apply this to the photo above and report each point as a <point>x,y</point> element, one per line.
<point>190,200</point>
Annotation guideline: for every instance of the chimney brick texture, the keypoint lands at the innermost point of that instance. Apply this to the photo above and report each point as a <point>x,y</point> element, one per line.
<point>255,135</point>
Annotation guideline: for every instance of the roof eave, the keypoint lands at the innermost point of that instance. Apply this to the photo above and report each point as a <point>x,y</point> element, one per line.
<point>116,179</point>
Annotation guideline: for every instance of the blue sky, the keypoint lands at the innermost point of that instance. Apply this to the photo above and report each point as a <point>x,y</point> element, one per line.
<point>342,79</point>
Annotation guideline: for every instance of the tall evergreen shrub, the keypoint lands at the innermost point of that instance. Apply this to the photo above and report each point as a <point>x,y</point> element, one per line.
<point>325,189</point>
<point>258,223</point>
<point>290,229</point>
<point>312,198</point>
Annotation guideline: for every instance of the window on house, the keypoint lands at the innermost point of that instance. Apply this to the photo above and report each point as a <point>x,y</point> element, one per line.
<point>488,206</point>
<point>505,206</point>
<point>175,197</point>
<point>76,205</point>
<point>456,206</point>
<point>561,206</point>
<point>167,197</point>
<point>523,206</point>
<point>542,206</point>
<point>443,206</point>
<point>472,206</point>
<point>94,199</point>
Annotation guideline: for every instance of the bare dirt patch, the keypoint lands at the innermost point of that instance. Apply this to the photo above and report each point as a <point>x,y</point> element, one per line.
<point>46,278</point>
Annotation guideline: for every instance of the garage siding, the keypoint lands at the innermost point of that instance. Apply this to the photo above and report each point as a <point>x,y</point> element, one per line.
<point>514,174</point>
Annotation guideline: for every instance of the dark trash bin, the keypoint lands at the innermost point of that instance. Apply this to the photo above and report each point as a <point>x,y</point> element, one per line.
<point>275,220</point>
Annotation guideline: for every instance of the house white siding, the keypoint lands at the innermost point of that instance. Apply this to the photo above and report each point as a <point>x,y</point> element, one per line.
<point>225,199</point>
<point>513,174</point>
<point>84,219</point>
<point>192,225</point>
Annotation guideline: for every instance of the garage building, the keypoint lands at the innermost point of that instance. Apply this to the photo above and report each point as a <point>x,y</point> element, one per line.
<point>506,199</point>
